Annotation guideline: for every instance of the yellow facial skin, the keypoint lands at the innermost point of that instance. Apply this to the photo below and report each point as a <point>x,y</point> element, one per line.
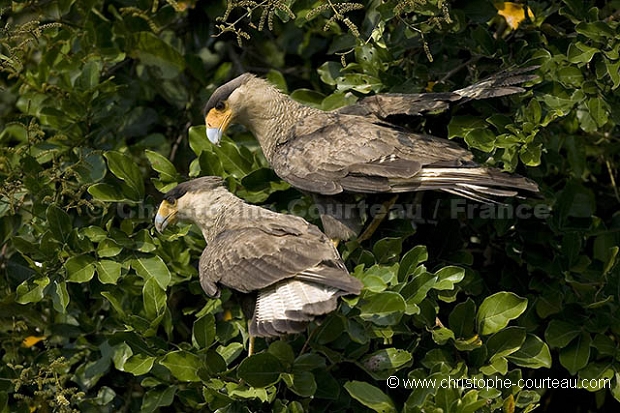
<point>217,121</point>
<point>166,215</point>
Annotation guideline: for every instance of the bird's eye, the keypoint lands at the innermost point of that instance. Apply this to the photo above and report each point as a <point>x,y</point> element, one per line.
<point>171,201</point>
<point>220,105</point>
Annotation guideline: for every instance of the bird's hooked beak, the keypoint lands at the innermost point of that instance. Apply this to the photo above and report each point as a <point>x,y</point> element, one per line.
<point>166,214</point>
<point>217,121</point>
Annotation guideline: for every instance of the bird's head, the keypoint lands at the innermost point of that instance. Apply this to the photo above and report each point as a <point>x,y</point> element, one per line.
<point>225,105</point>
<point>189,201</point>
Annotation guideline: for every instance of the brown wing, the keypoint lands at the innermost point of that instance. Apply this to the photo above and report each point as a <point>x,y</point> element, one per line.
<point>252,258</point>
<point>334,153</point>
<point>416,104</point>
<point>388,104</point>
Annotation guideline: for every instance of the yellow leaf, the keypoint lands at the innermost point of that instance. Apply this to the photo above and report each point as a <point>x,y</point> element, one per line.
<point>32,340</point>
<point>429,86</point>
<point>509,404</point>
<point>185,4</point>
<point>227,315</point>
<point>514,13</point>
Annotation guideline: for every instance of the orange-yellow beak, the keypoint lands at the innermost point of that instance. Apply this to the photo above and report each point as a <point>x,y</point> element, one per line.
<point>166,215</point>
<point>217,121</point>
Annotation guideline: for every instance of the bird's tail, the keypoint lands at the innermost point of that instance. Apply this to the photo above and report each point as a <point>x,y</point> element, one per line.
<point>477,183</point>
<point>500,84</point>
<point>288,306</point>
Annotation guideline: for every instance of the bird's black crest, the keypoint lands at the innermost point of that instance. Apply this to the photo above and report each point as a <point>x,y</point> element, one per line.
<point>204,183</point>
<point>223,92</point>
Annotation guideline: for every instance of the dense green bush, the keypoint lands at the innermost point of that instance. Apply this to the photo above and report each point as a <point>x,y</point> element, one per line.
<point>101,112</point>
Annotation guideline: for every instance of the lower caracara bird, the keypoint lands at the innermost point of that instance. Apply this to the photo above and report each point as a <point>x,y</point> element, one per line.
<point>292,267</point>
<point>356,149</point>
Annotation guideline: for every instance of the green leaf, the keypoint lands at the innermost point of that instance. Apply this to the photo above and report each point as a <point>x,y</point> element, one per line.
<point>462,319</point>
<point>530,154</point>
<point>411,260</point>
<point>89,78</point>
<point>60,297</point>
<point>232,160</point>
<point>570,76</point>
<point>108,271</point>
<point>309,361</point>
<point>154,299</point>
<point>153,268</point>
<point>374,283</point>
<point>498,365</point>
<point>120,354</point>
<point>385,308</point>
<point>260,370</point>
<point>387,250</point>
<point>599,111</point>
<point>244,392</point>
<point>106,193</point>
<point>4,401</point>
<point>327,386</point>
<point>447,277</point>
<point>580,53</point>
<point>162,58</point>
<point>337,100</point>
<point>183,365</point>
<point>308,97</point>
<point>28,293</point>
<point>108,248</point>
<point>575,356</point>
<point>483,139</point>
<point>139,364</point>
<point>370,396</point>
<point>596,376</point>
<point>198,141</point>
<point>215,362</point>
<point>386,274</point>
<point>230,352</point>
<point>283,352</point>
<point>59,223</point>
<point>505,342</point>
<point>385,362</point>
<point>115,300</point>
<point>613,70</point>
<point>80,268</point>
<point>534,354</point>
<point>598,31</point>
<point>167,171</point>
<point>497,310</point>
<point>203,331</point>
<point>461,126</point>
<point>159,397</point>
<point>419,287</point>
<point>441,335</point>
<point>359,82</point>
<point>125,169</point>
<point>329,71</point>
<point>301,383</point>
<point>560,333</point>
<point>575,200</point>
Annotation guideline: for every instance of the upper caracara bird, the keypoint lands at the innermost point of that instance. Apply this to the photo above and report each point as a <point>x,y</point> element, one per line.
<point>356,148</point>
<point>292,267</point>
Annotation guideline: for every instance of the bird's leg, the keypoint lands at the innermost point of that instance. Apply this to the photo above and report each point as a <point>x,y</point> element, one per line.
<point>377,219</point>
<point>251,345</point>
<point>307,343</point>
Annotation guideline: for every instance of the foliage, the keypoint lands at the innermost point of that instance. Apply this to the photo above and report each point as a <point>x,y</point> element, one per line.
<point>101,112</point>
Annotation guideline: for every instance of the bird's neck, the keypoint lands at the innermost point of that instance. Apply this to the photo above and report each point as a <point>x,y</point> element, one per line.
<point>223,208</point>
<point>275,119</point>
